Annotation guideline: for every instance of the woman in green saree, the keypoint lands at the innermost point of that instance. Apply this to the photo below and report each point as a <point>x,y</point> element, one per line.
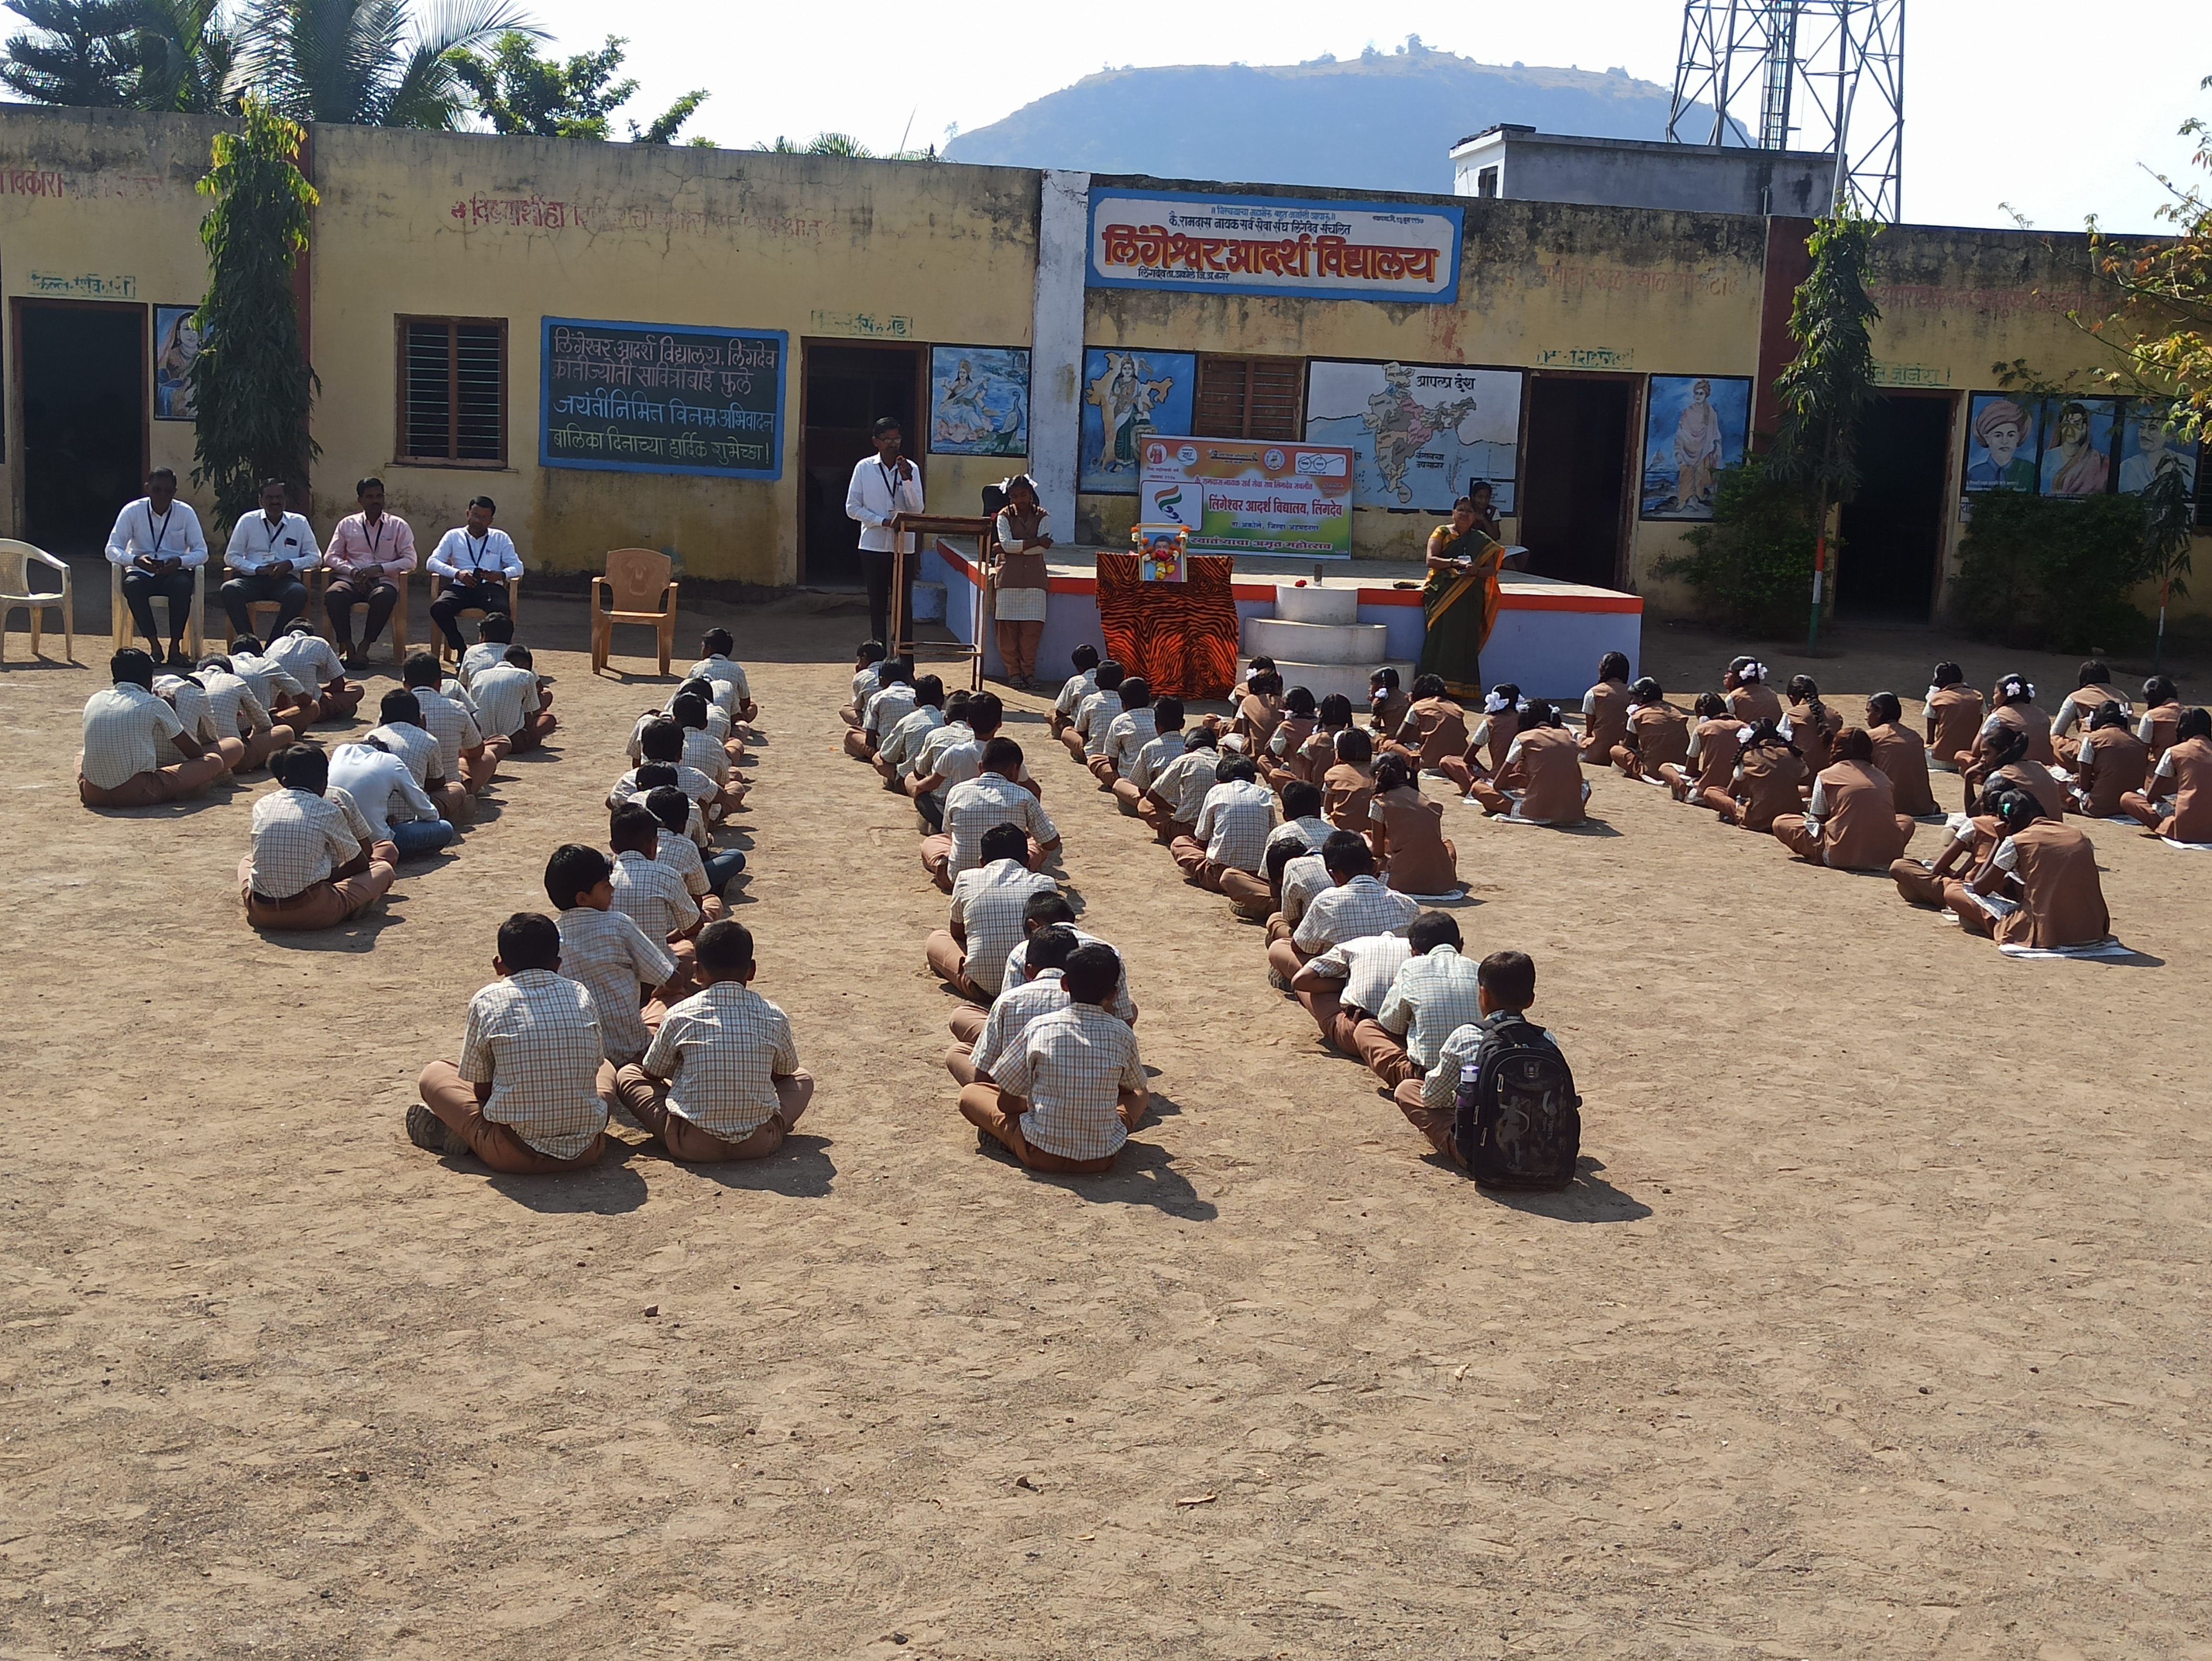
<point>1459,601</point>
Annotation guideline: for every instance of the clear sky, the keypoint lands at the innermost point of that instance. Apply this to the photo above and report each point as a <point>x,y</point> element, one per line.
<point>2046,106</point>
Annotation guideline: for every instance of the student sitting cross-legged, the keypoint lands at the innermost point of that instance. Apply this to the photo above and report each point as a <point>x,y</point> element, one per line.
<point>901,746</point>
<point>1407,832</point>
<point>1432,997</point>
<point>136,751</point>
<point>314,863</point>
<point>992,797</point>
<point>866,657</point>
<point>705,872</point>
<point>1038,993</point>
<point>1042,910</point>
<point>652,895</point>
<point>1227,850</point>
<point>466,764</point>
<point>1065,1096</point>
<point>721,1079</point>
<point>882,708</point>
<point>1176,795</point>
<point>1505,986</point>
<point>970,953</point>
<point>703,751</point>
<point>732,691</point>
<point>511,701</point>
<point>1085,736</point>
<point>286,697</point>
<point>1852,823</point>
<point>1344,987</point>
<point>1355,904</point>
<point>526,1096</point>
<point>605,950</point>
<point>2175,801</point>
<point>1079,685</point>
<point>1141,768</point>
<point>236,711</point>
<point>1540,783</point>
<point>2039,888</point>
<point>312,661</point>
<point>1127,734</point>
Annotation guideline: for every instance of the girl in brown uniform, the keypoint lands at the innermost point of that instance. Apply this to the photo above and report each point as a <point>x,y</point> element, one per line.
<point>1278,758</point>
<point>1405,830</point>
<point>2161,709</point>
<point>1707,772</point>
<point>1386,702</point>
<point>1259,710</point>
<point>1954,717</point>
<point>1852,823</point>
<point>2176,803</point>
<point>1312,759</point>
<point>2011,703</point>
<point>1750,699</point>
<point>1433,735</point>
<point>1605,709</point>
<point>1541,781</point>
<point>1967,844</point>
<point>1658,734</point>
<point>1346,787</point>
<point>1898,753</point>
<point>1767,774</point>
<point>2093,691</point>
<point>2039,887</point>
<point>1494,731</point>
<point>2110,765</point>
<point>2003,759</point>
<point>1813,726</point>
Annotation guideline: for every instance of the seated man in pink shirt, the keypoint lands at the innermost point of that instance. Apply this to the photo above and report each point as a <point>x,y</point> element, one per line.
<point>371,554</point>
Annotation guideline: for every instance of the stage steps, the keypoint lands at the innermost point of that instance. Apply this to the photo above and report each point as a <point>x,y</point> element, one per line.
<point>1318,641</point>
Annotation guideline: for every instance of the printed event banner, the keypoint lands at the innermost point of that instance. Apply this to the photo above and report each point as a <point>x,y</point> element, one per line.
<point>640,398</point>
<point>1270,245</point>
<point>1242,496</point>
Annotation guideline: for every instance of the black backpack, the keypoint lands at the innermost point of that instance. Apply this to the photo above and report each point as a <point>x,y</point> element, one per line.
<point>1516,1122</point>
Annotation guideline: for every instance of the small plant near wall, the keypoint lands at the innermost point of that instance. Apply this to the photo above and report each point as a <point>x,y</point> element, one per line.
<point>2055,574</point>
<point>1752,565</point>
<point>251,385</point>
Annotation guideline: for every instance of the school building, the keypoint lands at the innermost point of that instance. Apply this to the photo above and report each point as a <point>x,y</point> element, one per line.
<point>683,349</point>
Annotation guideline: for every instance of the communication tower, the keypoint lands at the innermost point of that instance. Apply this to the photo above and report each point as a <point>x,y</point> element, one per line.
<point>1825,75</point>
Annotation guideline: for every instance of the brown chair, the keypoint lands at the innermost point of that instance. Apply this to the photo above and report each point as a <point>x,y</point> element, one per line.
<point>637,579</point>
<point>312,577</point>
<point>119,611</point>
<point>437,586</point>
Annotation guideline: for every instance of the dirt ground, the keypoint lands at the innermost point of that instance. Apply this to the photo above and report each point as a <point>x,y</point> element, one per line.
<point>1874,1327</point>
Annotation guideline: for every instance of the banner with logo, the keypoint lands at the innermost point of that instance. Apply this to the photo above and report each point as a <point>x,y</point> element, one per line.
<point>1239,495</point>
<point>1274,245</point>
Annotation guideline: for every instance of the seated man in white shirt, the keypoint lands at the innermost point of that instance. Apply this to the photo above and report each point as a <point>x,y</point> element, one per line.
<point>314,863</point>
<point>158,543</point>
<point>476,560</point>
<point>269,550</point>
<point>397,809</point>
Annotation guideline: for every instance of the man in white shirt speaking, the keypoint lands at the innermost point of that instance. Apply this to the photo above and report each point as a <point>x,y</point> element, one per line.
<point>884,485</point>
<point>157,542</point>
<point>476,560</point>
<point>269,549</point>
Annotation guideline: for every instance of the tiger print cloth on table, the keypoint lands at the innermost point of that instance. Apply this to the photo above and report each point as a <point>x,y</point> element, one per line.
<point>1181,636</point>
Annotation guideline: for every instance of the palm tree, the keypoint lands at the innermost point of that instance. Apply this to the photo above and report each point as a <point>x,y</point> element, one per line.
<point>367,63</point>
<point>188,61</point>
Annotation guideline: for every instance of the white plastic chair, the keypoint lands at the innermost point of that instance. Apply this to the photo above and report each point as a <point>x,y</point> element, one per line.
<point>17,561</point>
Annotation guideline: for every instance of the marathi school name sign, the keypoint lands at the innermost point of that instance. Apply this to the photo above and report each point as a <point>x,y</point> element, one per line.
<point>1274,246</point>
<point>636,398</point>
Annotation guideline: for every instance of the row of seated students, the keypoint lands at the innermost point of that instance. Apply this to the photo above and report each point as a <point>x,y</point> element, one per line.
<point>1045,1051</point>
<point>637,993</point>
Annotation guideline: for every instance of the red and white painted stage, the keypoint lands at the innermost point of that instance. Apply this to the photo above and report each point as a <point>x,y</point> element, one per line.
<point>1548,641</point>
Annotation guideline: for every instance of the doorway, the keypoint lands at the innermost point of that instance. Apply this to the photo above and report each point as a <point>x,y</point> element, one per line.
<point>81,372</point>
<point>1574,485</point>
<point>843,390</point>
<point>1893,531</point>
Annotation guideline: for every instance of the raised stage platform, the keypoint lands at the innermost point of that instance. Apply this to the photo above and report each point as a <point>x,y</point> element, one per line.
<point>1548,639</point>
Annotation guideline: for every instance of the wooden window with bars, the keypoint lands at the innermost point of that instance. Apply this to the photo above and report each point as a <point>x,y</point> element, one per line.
<point>1250,397</point>
<point>452,392</point>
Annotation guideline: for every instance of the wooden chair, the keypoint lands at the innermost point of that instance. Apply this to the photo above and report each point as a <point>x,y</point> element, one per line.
<point>17,561</point>
<point>312,577</point>
<point>437,588</point>
<point>119,610</point>
<point>637,579</point>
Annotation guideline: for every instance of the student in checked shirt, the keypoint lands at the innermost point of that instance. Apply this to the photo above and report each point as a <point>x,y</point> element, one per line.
<point>707,870</point>
<point>1039,912</point>
<point>662,744</point>
<point>511,701</point>
<point>1356,904</point>
<point>237,711</point>
<point>902,744</point>
<point>1085,738</point>
<point>1157,751</point>
<point>866,679</point>
<point>992,797</point>
<point>1176,795</point>
<point>970,953</point>
<point>526,1098</point>
<point>1344,987</point>
<point>1304,880</point>
<point>604,950</point>
<point>495,634</point>
<point>721,1079</point>
<point>890,700</point>
<point>286,697</point>
<point>1228,847</point>
<point>1128,733</point>
<point>399,729</point>
<point>954,754</point>
<point>732,691</point>
<point>703,751</point>
<point>1069,1091</point>
<point>1039,993</point>
<point>269,550</point>
<point>1506,984</point>
<point>306,656</point>
<point>137,750</point>
<point>1435,994</point>
<point>1078,686</point>
<point>314,862</point>
<point>464,766</point>
<point>653,895</point>
<point>184,694</point>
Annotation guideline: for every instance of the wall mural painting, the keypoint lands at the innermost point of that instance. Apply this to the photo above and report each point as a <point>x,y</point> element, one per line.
<point>1122,392</point>
<point>979,400</point>
<point>1694,426</point>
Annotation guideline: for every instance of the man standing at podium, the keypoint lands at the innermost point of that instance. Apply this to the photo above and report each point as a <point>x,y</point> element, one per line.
<point>884,485</point>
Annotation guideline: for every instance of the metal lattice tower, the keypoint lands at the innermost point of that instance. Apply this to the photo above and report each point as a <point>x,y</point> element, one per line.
<point>1825,75</point>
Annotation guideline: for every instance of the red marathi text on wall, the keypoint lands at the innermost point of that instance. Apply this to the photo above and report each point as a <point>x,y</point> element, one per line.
<point>1155,247</point>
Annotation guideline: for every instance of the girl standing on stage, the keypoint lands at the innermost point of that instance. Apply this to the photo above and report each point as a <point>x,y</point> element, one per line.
<point>1018,579</point>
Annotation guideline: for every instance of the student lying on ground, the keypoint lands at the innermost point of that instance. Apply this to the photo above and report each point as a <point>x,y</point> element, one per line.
<point>653,895</point>
<point>1039,993</point>
<point>524,1098</point>
<point>1851,822</point>
<point>1706,775</point>
<point>1541,781</point>
<point>1405,830</point>
<point>1127,734</point>
<point>2178,801</point>
<point>2110,765</point>
<point>1163,746</point>
<point>2039,887</point>
<point>1955,712</point>
<point>1066,1094</point>
<point>732,691</point>
<point>1655,736</point>
<point>137,750</point>
<point>1605,710</point>
<point>721,1079</point>
<point>1078,686</point>
<point>314,863</point>
<point>1899,753</point>
<point>970,952</point>
<point>2092,690</point>
<point>1506,986</point>
<point>604,950</point>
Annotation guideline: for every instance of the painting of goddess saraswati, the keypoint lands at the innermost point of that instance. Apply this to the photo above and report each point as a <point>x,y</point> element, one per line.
<point>1124,392</point>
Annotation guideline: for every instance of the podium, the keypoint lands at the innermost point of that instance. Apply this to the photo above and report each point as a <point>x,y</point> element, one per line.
<point>1181,636</point>
<point>902,642</point>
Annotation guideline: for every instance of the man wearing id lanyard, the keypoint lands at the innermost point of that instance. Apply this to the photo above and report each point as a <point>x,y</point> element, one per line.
<point>372,553</point>
<point>157,542</point>
<point>475,562</point>
<point>884,485</point>
<point>269,549</point>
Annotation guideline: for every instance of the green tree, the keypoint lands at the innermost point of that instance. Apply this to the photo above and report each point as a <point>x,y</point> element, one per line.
<point>519,91</point>
<point>253,387</point>
<point>367,63</point>
<point>83,54</point>
<point>823,143</point>
<point>1830,383</point>
<point>188,59</point>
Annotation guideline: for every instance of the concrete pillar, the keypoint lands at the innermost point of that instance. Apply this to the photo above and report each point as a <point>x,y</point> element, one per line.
<point>1056,345</point>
